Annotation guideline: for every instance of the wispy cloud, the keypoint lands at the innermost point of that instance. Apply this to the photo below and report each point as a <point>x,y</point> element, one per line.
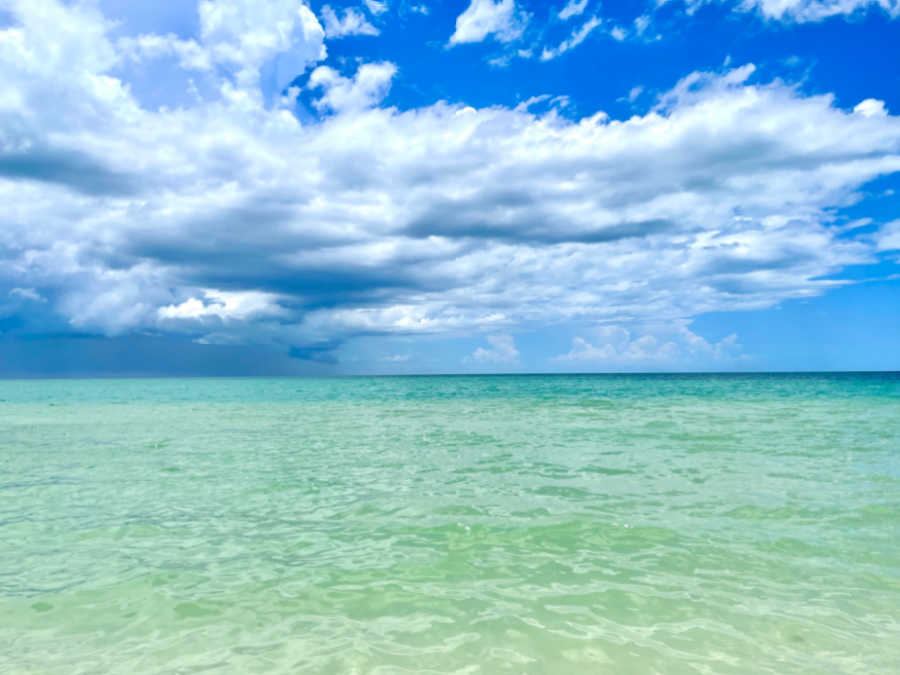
<point>572,8</point>
<point>578,36</point>
<point>376,7</point>
<point>804,11</point>
<point>888,237</point>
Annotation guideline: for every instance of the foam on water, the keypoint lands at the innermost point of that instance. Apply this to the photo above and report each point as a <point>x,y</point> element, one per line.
<point>577,524</point>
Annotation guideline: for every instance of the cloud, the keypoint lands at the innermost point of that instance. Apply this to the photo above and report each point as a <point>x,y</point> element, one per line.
<point>241,305</point>
<point>190,54</point>
<point>641,23</point>
<point>353,23</point>
<point>369,85</point>
<point>239,38</point>
<point>573,8</point>
<point>633,94</point>
<point>444,219</point>
<point>817,10</point>
<point>576,38</point>
<point>502,350</point>
<point>246,34</point>
<point>27,294</point>
<point>376,7</point>
<point>871,107</point>
<point>888,237</point>
<point>804,11</point>
<point>657,346</point>
<point>484,18</point>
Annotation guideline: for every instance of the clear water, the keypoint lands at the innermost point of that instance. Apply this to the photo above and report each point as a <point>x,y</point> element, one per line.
<point>595,524</point>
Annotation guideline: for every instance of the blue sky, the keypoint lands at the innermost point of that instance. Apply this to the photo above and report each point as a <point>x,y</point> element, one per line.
<point>415,186</point>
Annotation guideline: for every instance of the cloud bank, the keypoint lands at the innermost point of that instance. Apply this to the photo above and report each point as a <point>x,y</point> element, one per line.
<point>228,219</point>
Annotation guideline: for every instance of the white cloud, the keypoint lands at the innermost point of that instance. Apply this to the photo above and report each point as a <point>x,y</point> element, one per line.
<point>191,55</point>
<point>641,23</point>
<point>225,305</point>
<point>353,23</point>
<point>420,9</point>
<point>656,346</point>
<point>551,102</point>
<point>370,85</point>
<point>803,11</point>
<point>376,7</point>
<point>573,8</point>
<point>817,10</point>
<point>444,219</point>
<point>576,38</point>
<point>246,34</point>
<point>27,294</point>
<point>502,350</point>
<point>871,107</point>
<point>484,18</point>
<point>239,37</point>
<point>633,94</point>
<point>888,237</point>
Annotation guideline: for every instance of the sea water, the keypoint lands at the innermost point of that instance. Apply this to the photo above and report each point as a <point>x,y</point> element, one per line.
<point>522,524</point>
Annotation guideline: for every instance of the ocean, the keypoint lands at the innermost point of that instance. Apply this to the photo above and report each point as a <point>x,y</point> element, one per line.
<point>451,524</point>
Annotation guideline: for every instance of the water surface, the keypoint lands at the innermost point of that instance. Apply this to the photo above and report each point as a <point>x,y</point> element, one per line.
<point>529,524</point>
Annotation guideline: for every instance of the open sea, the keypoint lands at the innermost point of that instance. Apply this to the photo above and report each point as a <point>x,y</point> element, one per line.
<point>523,524</point>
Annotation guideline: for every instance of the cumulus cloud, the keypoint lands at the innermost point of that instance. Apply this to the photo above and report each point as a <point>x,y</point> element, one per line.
<point>246,34</point>
<point>871,107</point>
<point>444,219</point>
<point>502,350</point>
<point>239,38</point>
<point>369,85</point>
<point>352,23</point>
<point>240,305</point>
<point>485,18</point>
<point>651,347</point>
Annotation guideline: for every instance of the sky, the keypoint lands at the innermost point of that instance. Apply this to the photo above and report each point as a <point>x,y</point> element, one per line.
<point>238,187</point>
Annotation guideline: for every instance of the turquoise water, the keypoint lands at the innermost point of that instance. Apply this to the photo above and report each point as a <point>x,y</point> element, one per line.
<point>573,524</point>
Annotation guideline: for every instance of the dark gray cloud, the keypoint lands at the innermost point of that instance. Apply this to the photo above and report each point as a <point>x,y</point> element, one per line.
<point>70,169</point>
<point>141,356</point>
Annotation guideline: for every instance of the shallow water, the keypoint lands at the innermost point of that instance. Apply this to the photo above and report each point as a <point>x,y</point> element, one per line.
<point>530,524</point>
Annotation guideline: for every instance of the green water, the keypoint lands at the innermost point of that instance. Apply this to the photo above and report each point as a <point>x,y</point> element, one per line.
<point>575,524</point>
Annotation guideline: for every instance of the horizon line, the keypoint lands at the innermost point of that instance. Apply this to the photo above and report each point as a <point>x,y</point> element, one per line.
<point>133,376</point>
